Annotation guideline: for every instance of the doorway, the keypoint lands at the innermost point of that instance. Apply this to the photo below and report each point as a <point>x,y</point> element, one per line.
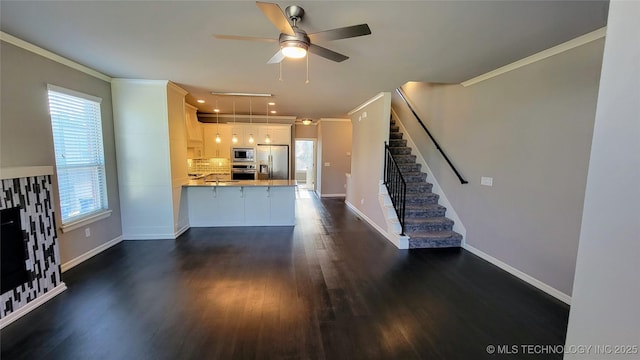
<point>305,173</point>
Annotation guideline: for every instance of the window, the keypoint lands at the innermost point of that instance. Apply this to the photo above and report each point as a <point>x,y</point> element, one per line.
<point>77,139</point>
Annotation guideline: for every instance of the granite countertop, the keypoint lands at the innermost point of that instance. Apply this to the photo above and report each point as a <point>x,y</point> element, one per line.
<point>240,183</point>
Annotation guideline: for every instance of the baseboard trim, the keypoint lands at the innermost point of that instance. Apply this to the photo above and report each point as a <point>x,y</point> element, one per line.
<point>519,274</point>
<point>32,305</point>
<point>89,254</point>
<point>181,231</point>
<point>170,236</point>
<point>333,195</point>
<point>395,240</point>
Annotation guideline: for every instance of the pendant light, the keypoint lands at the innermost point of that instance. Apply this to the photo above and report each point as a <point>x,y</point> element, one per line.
<point>250,122</point>
<point>217,111</point>
<point>234,138</point>
<point>267,138</point>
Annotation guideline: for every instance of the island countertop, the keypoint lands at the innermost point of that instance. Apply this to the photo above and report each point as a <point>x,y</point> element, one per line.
<point>240,183</point>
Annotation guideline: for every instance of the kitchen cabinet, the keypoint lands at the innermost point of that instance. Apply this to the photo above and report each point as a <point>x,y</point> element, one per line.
<point>257,205</point>
<point>216,204</point>
<point>212,149</point>
<point>282,206</point>
<point>244,132</point>
<point>251,205</point>
<point>279,134</point>
<point>194,128</point>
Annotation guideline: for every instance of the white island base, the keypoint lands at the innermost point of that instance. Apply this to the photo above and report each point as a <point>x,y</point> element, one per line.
<point>244,203</point>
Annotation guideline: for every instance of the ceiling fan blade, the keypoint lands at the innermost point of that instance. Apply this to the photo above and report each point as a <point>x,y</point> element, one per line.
<point>248,38</point>
<point>327,54</point>
<point>275,14</point>
<point>341,33</point>
<point>278,57</point>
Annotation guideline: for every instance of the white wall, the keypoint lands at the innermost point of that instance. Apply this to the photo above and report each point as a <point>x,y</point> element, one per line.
<point>367,157</point>
<point>606,295</point>
<point>144,170</point>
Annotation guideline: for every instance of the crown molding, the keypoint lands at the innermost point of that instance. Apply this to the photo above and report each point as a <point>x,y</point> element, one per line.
<point>333,120</point>
<point>579,41</point>
<point>366,103</point>
<point>10,39</point>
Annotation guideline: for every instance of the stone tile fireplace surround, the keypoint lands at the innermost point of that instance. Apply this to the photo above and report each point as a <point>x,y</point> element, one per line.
<point>30,189</point>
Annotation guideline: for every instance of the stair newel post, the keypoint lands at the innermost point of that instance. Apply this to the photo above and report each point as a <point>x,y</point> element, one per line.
<point>386,160</point>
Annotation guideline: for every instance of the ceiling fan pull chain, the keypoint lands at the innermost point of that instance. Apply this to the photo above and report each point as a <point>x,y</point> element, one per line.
<point>306,82</point>
<point>280,76</point>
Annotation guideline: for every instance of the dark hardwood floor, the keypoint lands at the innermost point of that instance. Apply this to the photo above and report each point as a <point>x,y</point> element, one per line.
<point>329,288</point>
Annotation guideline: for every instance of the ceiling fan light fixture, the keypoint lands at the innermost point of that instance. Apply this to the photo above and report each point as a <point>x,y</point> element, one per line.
<point>294,49</point>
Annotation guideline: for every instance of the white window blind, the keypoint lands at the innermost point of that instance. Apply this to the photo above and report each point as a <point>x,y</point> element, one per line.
<point>77,138</point>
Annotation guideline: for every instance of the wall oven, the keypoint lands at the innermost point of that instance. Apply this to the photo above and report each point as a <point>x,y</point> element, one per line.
<point>243,172</point>
<point>243,155</point>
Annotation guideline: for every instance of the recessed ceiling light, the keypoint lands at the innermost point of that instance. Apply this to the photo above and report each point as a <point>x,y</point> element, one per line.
<point>273,111</point>
<point>216,110</point>
<point>272,103</point>
<point>200,101</point>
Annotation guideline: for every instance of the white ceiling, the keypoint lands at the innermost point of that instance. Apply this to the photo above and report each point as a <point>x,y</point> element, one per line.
<point>433,41</point>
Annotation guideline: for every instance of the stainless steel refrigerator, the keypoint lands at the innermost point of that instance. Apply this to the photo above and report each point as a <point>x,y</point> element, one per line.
<point>273,162</point>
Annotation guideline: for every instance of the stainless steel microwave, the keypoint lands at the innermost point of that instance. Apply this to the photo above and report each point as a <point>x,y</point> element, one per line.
<point>243,155</point>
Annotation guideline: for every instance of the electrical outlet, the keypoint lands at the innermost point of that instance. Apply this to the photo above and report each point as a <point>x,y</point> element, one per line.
<point>87,232</point>
<point>362,201</point>
<point>486,181</point>
<point>364,114</point>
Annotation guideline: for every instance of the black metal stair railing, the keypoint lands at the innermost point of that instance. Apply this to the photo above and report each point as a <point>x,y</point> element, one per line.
<point>446,158</point>
<point>396,185</point>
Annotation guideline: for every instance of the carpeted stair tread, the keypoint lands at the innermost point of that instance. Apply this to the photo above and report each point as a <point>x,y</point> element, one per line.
<point>425,221</point>
<point>429,220</point>
<point>438,239</point>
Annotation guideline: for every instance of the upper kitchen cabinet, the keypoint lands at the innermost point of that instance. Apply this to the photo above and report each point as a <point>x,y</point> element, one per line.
<point>151,150</point>
<point>194,128</point>
<point>245,132</point>
<point>278,133</point>
<point>212,149</point>
<point>195,144</point>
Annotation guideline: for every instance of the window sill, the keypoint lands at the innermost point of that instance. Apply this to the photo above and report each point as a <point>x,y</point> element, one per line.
<point>103,214</point>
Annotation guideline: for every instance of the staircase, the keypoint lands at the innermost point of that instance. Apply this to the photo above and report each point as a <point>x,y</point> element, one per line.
<point>425,223</point>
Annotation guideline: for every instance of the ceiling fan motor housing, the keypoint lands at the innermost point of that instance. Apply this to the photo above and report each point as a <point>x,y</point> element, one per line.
<point>300,39</point>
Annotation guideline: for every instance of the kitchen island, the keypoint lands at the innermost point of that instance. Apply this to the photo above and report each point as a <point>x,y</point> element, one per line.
<point>241,203</point>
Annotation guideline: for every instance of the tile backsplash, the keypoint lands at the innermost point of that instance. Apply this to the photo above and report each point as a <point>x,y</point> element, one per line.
<point>208,166</point>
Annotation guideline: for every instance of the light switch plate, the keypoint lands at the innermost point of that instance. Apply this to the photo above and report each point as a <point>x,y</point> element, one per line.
<point>486,181</point>
<point>327,164</point>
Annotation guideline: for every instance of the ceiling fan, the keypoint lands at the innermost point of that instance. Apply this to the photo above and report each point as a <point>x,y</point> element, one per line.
<point>295,42</point>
